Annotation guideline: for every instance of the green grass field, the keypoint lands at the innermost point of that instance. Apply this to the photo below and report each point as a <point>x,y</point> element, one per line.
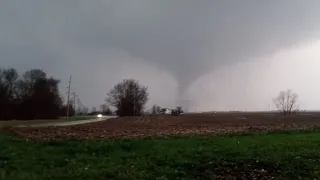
<point>291,155</point>
<point>34,122</point>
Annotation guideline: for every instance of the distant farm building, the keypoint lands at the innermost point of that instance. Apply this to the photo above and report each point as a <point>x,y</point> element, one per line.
<point>166,111</point>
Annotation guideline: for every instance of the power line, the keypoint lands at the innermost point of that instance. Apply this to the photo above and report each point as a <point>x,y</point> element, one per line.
<point>79,104</point>
<point>74,102</point>
<point>69,86</point>
<point>75,98</point>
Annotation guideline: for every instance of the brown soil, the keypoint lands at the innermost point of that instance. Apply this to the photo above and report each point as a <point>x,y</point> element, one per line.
<point>129,127</point>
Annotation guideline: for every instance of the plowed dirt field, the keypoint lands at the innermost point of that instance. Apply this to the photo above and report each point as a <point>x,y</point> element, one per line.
<point>197,124</point>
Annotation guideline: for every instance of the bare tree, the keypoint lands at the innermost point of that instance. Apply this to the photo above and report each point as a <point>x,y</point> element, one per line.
<point>286,102</point>
<point>8,79</point>
<point>32,96</point>
<point>128,97</point>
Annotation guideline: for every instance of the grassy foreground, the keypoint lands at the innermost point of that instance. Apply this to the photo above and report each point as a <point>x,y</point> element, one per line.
<point>291,155</point>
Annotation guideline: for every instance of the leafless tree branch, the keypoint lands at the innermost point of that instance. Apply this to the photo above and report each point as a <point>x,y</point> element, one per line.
<point>286,102</point>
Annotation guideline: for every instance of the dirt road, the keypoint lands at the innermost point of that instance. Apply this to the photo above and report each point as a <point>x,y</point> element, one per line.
<point>69,123</point>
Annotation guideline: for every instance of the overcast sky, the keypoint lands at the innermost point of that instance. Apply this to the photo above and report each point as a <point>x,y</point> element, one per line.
<point>201,54</point>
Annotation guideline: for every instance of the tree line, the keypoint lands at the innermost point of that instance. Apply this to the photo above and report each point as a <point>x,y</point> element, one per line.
<point>129,98</point>
<point>33,95</point>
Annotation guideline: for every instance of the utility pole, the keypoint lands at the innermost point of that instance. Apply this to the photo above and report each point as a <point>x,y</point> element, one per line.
<point>69,86</point>
<point>74,102</point>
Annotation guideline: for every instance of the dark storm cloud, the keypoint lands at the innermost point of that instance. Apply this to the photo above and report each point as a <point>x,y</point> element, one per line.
<point>186,38</point>
<point>189,38</point>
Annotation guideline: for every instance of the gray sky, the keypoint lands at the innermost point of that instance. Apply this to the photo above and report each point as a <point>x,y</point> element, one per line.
<point>202,54</point>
